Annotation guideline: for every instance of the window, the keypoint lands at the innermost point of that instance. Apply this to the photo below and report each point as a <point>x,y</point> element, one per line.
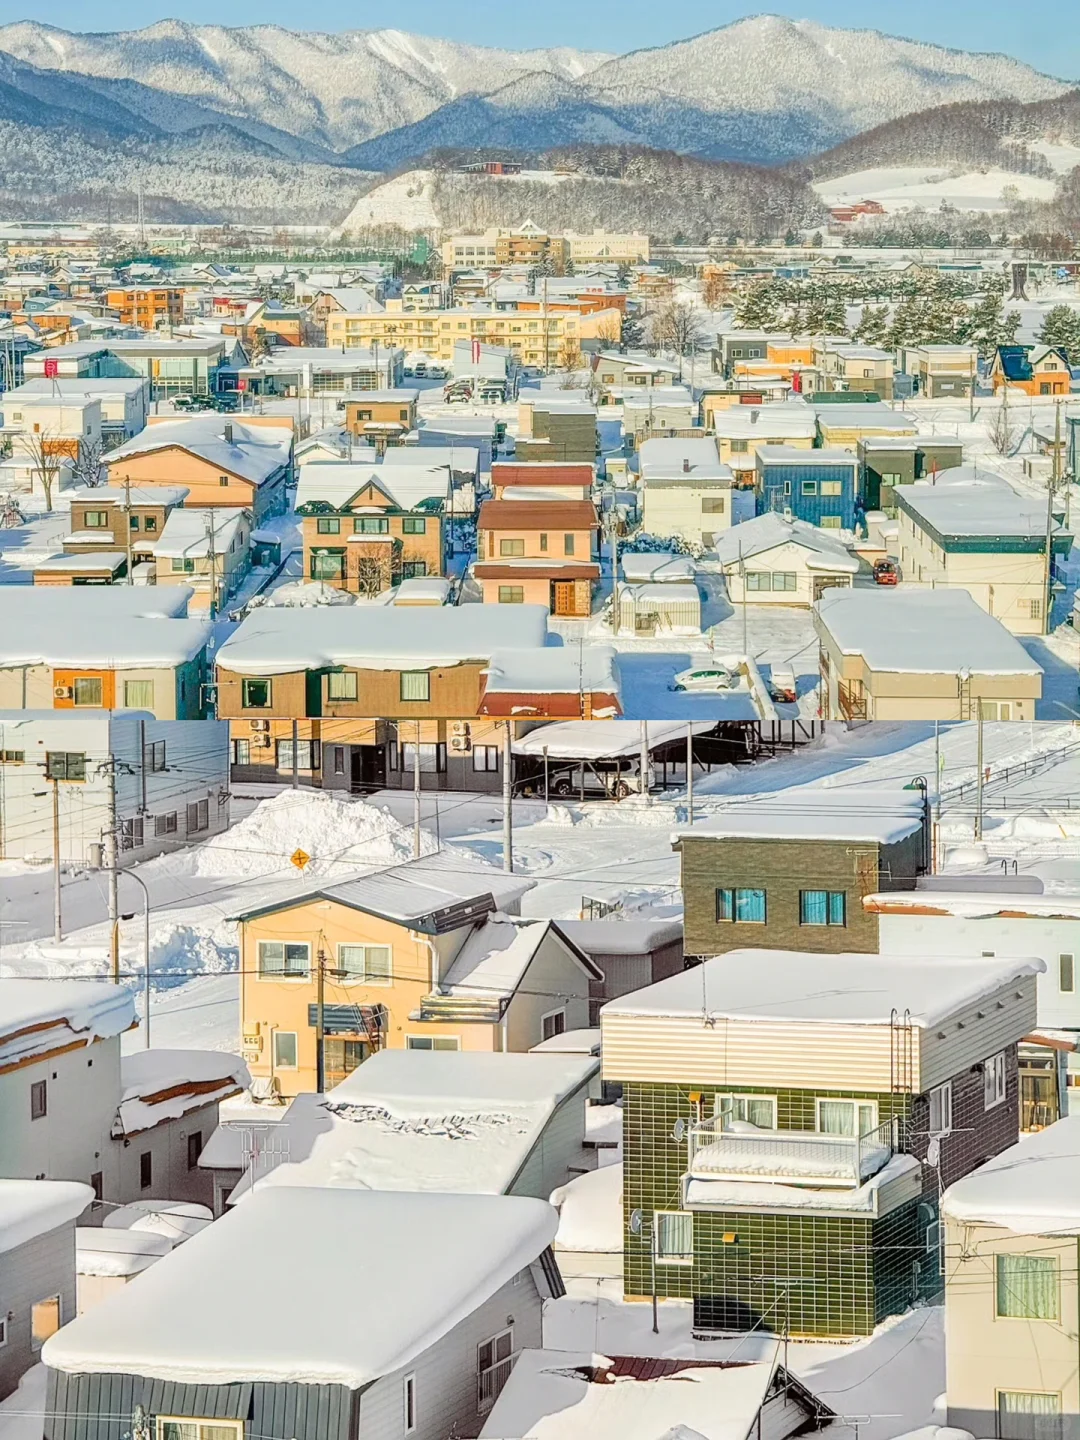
<point>328,565</point>
<point>133,522</point>
<point>146,1170</point>
<point>432,758</point>
<point>197,817</point>
<point>96,519</point>
<point>941,1109</point>
<point>743,907</point>
<point>149,523</point>
<point>511,595</point>
<point>822,907</point>
<point>995,710</point>
<point>409,1399</point>
<point>370,964</point>
<point>673,1237</point>
<point>286,959</point>
<point>285,1049</point>
<point>1026,1287</point>
<point>183,565</point>
<point>139,695</point>
<point>415,686</point>
<point>154,755</point>
<point>552,1024</point>
<point>543,540</point>
<point>65,765</point>
<point>846,1117</point>
<point>413,525</point>
<point>241,752</point>
<point>740,447</point>
<point>175,1428</point>
<point>223,480</point>
<point>97,1184</point>
<point>88,691</point>
<point>131,833</point>
<point>994,1080</point>
<point>1029,1415</point>
<point>371,525</point>
<point>325,525</point>
<point>44,1320</point>
<point>194,1149</point>
<point>12,757</point>
<point>808,487</point>
<point>166,824</point>
<point>511,548</point>
<point>255,694</point>
<point>307,754</point>
<point>782,580</point>
<point>342,685</point>
<point>494,1361</point>
<point>1066,974</point>
<point>485,757</point>
<point>568,545</point>
<point>338,761</point>
<point>832,487</point>
<point>432,1042</point>
<point>759,1110</point>
<point>39,1099</point>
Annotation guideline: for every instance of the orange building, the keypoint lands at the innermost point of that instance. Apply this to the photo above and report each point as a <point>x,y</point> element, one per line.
<point>147,306</point>
<point>1032,369</point>
<point>538,552</point>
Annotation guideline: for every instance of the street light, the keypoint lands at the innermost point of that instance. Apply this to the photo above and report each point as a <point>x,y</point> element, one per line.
<point>146,943</point>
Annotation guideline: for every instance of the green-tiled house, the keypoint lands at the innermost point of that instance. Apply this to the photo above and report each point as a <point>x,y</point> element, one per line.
<point>790,1119</point>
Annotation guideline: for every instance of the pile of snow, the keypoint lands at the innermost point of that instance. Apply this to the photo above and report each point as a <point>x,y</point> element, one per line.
<point>117,1253</point>
<point>406,201</point>
<point>339,834</point>
<point>175,1219</point>
<point>303,594</point>
<point>591,1211</point>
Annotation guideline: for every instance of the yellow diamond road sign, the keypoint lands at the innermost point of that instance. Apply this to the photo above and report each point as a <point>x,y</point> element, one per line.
<point>300,858</point>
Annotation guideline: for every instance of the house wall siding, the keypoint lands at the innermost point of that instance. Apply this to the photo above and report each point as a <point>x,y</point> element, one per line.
<point>559,1153</point>
<point>37,1270</point>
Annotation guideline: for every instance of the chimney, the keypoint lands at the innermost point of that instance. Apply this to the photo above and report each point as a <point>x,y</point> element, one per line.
<point>754,416</point>
<point>686,465</point>
<point>228,432</point>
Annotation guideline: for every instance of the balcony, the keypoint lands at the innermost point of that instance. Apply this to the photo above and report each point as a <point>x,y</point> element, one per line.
<point>789,1157</point>
<point>852,701</point>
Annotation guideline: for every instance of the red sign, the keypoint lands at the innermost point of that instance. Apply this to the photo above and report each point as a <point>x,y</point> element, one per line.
<point>52,369</point>
<point>476,352</point>
<point>241,384</point>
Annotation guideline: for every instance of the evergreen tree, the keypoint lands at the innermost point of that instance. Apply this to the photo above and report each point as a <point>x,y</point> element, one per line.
<point>1062,329</point>
<point>873,325</point>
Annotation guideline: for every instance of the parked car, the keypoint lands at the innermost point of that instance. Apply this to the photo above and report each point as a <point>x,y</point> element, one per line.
<point>708,678</point>
<point>886,572</point>
<point>226,402</point>
<point>782,685</point>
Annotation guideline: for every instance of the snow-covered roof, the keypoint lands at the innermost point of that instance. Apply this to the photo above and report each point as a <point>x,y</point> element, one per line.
<point>840,989</point>
<point>141,495</point>
<point>976,904</point>
<point>495,956</point>
<point>615,936</point>
<point>117,1252</point>
<point>83,626</point>
<point>463,458</point>
<point>275,641</point>
<point>1033,1188</point>
<point>922,632</point>
<point>792,455</point>
<point>422,590</point>
<point>177,1220</point>
<point>162,1085</point>
<point>68,385</point>
<point>108,604</point>
<point>667,593</point>
<point>255,452</point>
<point>104,561</point>
<point>739,422</point>
<point>553,1395</point>
<point>864,417</point>
<point>766,532</point>
<point>569,1042</point>
<point>591,1211</point>
<point>974,505</point>
<point>191,1318</point>
<point>29,1208</point>
<point>335,482</point>
<point>603,739</point>
<point>187,532</point>
<point>878,817</point>
<point>670,461</point>
<point>556,670</point>
<point>655,566</point>
<point>37,1019</point>
<point>458,1122</point>
<point>285,359</point>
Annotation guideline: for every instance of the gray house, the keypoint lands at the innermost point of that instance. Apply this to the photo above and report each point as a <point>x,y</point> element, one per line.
<point>314,1314</point>
<point>37,1268</point>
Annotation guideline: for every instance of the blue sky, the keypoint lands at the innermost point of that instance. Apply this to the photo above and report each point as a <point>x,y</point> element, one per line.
<point>1051,43</point>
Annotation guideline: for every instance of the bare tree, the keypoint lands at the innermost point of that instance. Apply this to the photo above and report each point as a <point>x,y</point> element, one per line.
<point>1002,431</point>
<point>42,448</point>
<point>86,464</point>
<point>372,576</point>
<point>569,354</point>
<point>677,326</point>
<point>609,332</point>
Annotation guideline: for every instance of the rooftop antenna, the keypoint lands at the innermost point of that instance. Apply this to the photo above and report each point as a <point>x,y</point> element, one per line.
<point>141,217</point>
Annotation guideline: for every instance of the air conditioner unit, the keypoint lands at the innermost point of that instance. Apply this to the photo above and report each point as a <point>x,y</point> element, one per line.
<point>459,727</point>
<point>62,692</point>
<point>462,744</point>
<point>260,725</point>
<point>788,513</point>
<point>263,742</point>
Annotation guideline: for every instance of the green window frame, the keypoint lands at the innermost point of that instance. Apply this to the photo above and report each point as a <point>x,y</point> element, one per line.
<point>328,525</point>
<point>1027,1287</point>
<point>512,549</point>
<point>328,565</point>
<point>342,685</point>
<point>413,525</point>
<point>95,519</point>
<point>415,686</point>
<point>256,693</point>
<point>371,525</point>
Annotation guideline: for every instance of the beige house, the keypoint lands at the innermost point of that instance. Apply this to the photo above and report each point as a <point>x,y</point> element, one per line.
<point>854,367</point>
<point>210,550</point>
<point>1012,1302</point>
<point>912,654</point>
<point>941,371</point>
<point>842,426</point>
<point>771,560</point>
<point>972,531</point>
<point>741,430</point>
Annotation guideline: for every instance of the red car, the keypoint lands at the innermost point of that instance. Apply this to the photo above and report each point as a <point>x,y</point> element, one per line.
<point>886,573</point>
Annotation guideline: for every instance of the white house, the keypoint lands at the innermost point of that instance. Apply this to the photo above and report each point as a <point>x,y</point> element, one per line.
<point>210,550</point>
<point>37,1268</point>
<point>124,400</point>
<point>686,489</point>
<point>164,767</point>
<point>771,560</point>
<point>390,1315</point>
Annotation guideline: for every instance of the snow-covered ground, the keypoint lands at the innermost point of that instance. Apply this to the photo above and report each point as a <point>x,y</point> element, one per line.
<point>908,187</point>
<point>405,200</point>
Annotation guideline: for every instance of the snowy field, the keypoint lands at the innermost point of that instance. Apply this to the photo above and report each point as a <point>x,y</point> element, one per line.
<point>901,187</point>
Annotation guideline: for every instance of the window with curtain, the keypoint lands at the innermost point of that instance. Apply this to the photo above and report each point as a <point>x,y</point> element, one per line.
<point>88,691</point>
<point>280,958</point>
<point>750,907</point>
<point>1029,1415</point>
<point>415,685</point>
<point>846,1117</point>
<point>369,963</point>
<point>342,685</point>
<point>138,694</point>
<point>1027,1287</point>
<point>1066,974</point>
<point>759,1110</point>
<point>673,1237</point>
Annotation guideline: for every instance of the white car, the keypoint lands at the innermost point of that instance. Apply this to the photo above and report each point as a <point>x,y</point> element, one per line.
<point>706,678</point>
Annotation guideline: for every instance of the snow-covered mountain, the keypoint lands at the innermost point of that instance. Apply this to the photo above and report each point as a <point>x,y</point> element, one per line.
<point>764,88</point>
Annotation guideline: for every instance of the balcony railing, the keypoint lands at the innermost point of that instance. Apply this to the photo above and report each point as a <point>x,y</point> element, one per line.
<point>852,702</point>
<point>789,1157</point>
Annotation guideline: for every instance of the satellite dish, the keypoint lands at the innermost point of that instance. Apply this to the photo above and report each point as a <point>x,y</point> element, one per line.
<point>678,1134</point>
<point>636,1217</point>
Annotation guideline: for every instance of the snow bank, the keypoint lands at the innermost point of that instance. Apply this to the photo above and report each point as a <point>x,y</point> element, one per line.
<point>175,1219</point>
<point>29,1208</point>
<point>1033,1188</point>
<point>303,594</point>
<point>341,835</point>
<point>117,1252</point>
<point>591,1211</point>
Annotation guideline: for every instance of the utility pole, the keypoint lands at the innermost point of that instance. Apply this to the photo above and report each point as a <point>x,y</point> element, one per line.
<point>416,794</point>
<point>508,802</point>
<point>689,773</point>
<point>643,757</point>
<point>742,578</point>
<point>127,531</point>
<point>111,866</point>
<point>58,925</point>
<point>613,531</point>
<point>295,755</point>
<point>979,777</point>
<point>1048,560</point>
<point>320,1018</point>
<point>208,525</point>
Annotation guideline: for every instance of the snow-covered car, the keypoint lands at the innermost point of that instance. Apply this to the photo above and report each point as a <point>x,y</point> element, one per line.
<point>706,678</point>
